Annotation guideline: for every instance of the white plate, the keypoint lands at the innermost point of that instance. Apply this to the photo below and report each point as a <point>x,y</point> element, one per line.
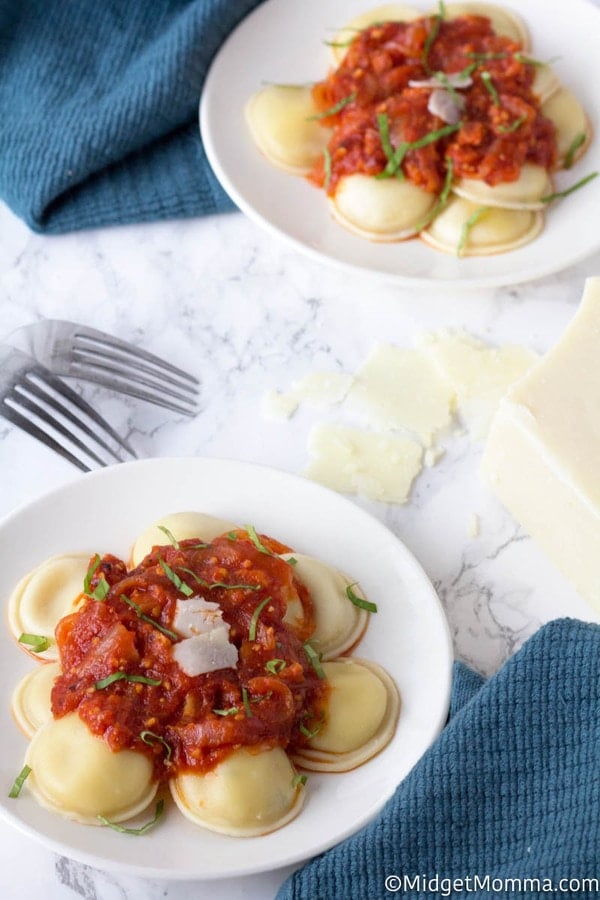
<point>282,42</point>
<point>105,512</point>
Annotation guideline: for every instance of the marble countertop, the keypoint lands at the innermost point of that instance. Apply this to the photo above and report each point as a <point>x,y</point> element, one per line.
<point>246,314</point>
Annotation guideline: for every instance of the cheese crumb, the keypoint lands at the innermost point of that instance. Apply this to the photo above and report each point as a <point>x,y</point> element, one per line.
<point>278,406</point>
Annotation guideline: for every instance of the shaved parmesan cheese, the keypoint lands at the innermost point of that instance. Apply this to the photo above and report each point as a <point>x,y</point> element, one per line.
<point>206,646</point>
<point>446,107</point>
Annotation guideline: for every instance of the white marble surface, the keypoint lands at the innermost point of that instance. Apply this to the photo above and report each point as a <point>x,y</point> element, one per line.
<point>245,313</point>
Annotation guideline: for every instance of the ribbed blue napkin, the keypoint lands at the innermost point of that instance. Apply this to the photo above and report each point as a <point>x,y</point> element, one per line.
<point>505,803</point>
<point>99,109</point>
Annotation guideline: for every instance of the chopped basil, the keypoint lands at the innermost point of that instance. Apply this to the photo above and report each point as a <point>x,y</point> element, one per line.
<point>87,581</point>
<point>393,165</point>
<point>150,738</point>
<point>292,561</point>
<point>333,109</point>
<point>101,589</point>
<point>314,659</point>
<point>255,617</point>
<point>275,666</point>
<point>574,187</point>
<point>442,199</point>
<point>340,44</point>
<point>490,87</point>
<point>246,703</point>
<point>467,227</point>
<point>123,676</point>
<point>508,129</point>
<point>405,146</point>
<point>19,782</point>
<point>431,37</point>
<point>529,61</point>
<point>175,579</point>
<point>326,168</point>
<point>360,601</point>
<point>218,584</point>
<point>37,642</point>
<point>576,143</point>
<point>232,711</point>
<point>232,535</point>
<point>468,70</point>
<point>170,536</point>
<point>141,615</point>
<point>299,780</point>
<point>137,831</point>
<point>311,732</point>
<point>257,541</point>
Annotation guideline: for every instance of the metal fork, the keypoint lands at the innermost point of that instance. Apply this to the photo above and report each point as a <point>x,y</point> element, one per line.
<point>35,400</point>
<point>78,351</point>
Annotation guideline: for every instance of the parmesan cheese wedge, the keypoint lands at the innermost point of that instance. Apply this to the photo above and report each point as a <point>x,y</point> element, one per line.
<point>541,458</point>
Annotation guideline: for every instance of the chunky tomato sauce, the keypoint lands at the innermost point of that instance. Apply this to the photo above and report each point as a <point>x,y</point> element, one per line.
<point>500,127</point>
<point>274,696</point>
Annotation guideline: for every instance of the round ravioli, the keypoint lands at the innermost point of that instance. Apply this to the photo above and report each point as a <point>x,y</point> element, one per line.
<point>573,129</point>
<point>525,192</point>
<point>505,23</point>
<point>390,12</point>
<point>339,624</point>
<point>252,792</point>
<point>44,596</point>
<point>183,526</point>
<point>383,209</point>
<point>281,119</point>
<point>468,229</point>
<point>545,82</point>
<point>362,714</point>
<point>76,774</point>
<point>30,703</point>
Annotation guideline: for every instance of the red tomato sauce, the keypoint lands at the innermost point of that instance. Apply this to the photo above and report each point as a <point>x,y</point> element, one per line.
<point>205,717</point>
<point>501,126</point>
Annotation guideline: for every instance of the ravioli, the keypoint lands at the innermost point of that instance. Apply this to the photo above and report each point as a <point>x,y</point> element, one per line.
<point>252,792</point>
<point>30,703</point>
<point>44,596</point>
<point>183,526</point>
<point>471,229</point>
<point>564,109</point>
<point>281,119</point>
<point>385,210</point>
<point>525,192</point>
<point>77,775</point>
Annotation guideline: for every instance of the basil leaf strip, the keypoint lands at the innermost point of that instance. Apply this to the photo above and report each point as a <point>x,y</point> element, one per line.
<point>490,87</point>
<point>255,617</point>
<point>101,589</point>
<point>424,141</point>
<point>314,659</point>
<point>467,227</point>
<point>508,129</point>
<point>218,584</point>
<point>175,579</point>
<point>393,163</point>
<point>232,711</point>
<point>257,541</point>
<point>138,831</point>
<point>37,642</point>
<point>19,782</point>
<point>170,536</point>
<point>87,581</point>
<point>150,738</point>
<point>141,615</point>
<point>275,666</point>
<point>430,39</point>
<point>360,601</point>
<point>576,143</point>
<point>442,199</point>
<point>298,780</point>
<point>574,187</point>
<point>333,109</point>
<point>123,676</point>
<point>311,732</point>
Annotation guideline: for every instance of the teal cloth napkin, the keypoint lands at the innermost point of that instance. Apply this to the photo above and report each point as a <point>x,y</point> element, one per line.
<point>99,109</point>
<point>509,793</point>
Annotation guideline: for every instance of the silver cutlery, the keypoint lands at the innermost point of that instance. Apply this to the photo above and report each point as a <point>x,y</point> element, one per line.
<point>35,400</point>
<point>78,351</point>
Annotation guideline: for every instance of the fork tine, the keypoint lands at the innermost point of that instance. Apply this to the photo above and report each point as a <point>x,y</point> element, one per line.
<point>87,362</point>
<point>12,415</point>
<point>123,361</point>
<point>66,392</point>
<point>133,353</point>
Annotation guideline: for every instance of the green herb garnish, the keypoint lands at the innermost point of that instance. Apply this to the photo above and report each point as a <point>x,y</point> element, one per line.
<point>299,780</point>
<point>169,535</point>
<point>142,615</point>
<point>314,659</point>
<point>508,129</point>
<point>150,738</point>
<point>424,141</point>
<point>333,109</point>
<point>467,228</point>
<point>246,703</point>
<point>442,199</point>
<point>311,732</point>
<point>360,601</point>
<point>431,36</point>
<point>138,831</point>
<point>275,666</point>
<point>123,676</point>
<point>87,581</point>
<point>529,61</point>
<point>232,535</point>
<point>211,585</point>
<point>102,588</point>
<point>490,87</point>
<point>257,541</point>
<point>576,143</point>
<point>37,642</point>
<point>393,164</point>
<point>574,187</point>
<point>255,617</point>
<point>292,561</point>
<point>175,579</point>
<point>232,711</point>
<point>19,782</point>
